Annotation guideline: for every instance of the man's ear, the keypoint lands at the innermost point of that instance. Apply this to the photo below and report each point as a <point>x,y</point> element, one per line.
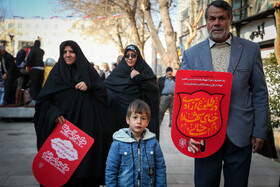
<point>127,119</point>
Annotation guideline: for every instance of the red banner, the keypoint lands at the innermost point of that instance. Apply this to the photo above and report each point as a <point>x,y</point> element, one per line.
<point>200,111</point>
<point>61,154</point>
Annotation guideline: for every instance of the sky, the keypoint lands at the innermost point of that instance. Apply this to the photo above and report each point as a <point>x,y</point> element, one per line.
<point>30,8</point>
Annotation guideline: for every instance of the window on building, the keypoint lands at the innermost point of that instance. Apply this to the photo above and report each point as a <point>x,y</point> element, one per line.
<point>55,26</point>
<point>3,28</point>
<point>37,26</point>
<point>19,25</point>
<point>11,25</point>
<point>46,26</point>
<point>239,9</point>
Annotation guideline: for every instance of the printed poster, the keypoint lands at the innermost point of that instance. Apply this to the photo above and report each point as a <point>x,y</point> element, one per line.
<point>61,154</point>
<point>200,111</point>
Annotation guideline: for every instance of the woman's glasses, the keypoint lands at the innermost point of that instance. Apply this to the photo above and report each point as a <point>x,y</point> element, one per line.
<point>132,56</point>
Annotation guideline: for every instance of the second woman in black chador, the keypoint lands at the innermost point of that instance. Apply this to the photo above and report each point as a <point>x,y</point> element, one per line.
<point>74,91</point>
<point>133,79</point>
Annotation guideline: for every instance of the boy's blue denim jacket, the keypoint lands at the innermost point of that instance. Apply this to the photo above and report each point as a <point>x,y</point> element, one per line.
<point>123,167</point>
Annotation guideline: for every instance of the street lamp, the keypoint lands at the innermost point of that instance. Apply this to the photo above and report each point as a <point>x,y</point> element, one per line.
<point>11,37</point>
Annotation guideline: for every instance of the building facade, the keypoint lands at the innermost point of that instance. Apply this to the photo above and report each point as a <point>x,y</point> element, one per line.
<point>252,19</point>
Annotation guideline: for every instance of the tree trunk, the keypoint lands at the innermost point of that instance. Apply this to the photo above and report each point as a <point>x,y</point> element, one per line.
<point>120,44</point>
<point>277,38</point>
<point>170,36</point>
<point>146,8</point>
<point>135,34</point>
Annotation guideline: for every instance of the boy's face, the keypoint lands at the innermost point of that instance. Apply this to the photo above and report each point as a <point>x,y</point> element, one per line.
<point>137,123</point>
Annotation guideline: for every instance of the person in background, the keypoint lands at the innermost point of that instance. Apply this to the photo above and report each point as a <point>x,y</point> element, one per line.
<point>106,69</point>
<point>35,61</point>
<point>119,59</point>
<point>49,64</point>
<point>133,79</point>
<point>2,86</point>
<point>24,77</point>
<point>166,86</point>
<point>20,57</point>
<point>113,66</point>
<point>135,157</point>
<point>74,91</point>
<point>100,72</point>
<point>248,110</point>
<point>10,73</point>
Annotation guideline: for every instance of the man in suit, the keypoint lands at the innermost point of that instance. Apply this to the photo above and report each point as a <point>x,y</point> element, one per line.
<point>248,110</point>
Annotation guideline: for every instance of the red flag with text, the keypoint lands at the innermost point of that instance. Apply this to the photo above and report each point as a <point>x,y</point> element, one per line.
<point>200,110</point>
<point>61,154</point>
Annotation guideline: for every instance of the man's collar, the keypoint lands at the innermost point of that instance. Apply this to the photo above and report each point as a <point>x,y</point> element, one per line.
<point>212,43</point>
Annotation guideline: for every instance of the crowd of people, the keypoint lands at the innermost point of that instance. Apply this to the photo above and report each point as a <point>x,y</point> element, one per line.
<point>25,72</point>
<point>122,108</point>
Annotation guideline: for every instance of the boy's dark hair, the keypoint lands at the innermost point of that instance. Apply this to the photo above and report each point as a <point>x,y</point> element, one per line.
<point>219,4</point>
<point>139,106</point>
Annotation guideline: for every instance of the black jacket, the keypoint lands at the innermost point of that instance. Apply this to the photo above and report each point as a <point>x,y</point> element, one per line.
<point>10,66</point>
<point>35,57</point>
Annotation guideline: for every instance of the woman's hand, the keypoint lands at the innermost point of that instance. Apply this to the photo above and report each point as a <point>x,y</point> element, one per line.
<point>81,86</point>
<point>60,119</point>
<point>5,76</point>
<point>134,73</point>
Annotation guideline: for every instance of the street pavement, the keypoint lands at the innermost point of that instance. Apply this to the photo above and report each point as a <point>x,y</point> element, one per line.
<point>18,149</point>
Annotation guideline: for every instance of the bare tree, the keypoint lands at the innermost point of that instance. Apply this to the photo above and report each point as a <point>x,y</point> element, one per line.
<point>136,23</point>
<point>192,27</point>
<point>168,55</point>
<point>130,26</point>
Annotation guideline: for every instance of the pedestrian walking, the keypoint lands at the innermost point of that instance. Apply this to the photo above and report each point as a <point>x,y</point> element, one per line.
<point>35,62</point>
<point>166,86</point>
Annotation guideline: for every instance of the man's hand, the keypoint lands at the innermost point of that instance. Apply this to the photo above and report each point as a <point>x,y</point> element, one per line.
<point>257,144</point>
<point>192,145</point>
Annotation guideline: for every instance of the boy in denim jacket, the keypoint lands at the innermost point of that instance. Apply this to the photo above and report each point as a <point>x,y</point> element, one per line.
<point>135,157</point>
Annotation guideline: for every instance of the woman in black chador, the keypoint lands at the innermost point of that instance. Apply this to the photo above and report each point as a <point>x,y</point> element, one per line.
<point>74,91</point>
<point>133,79</point>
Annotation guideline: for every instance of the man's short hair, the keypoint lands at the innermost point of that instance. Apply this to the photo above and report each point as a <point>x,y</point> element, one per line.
<point>219,4</point>
<point>139,106</point>
<point>169,69</point>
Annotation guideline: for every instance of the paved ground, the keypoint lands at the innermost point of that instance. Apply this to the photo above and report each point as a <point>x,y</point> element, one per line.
<point>18,148</point>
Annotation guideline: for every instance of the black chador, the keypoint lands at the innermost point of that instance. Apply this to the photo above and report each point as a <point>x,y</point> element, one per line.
<point>88,110</point>
<point>122,90</point>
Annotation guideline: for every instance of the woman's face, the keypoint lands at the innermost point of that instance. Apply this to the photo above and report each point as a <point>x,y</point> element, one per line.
<point>69,55</point>
<point>130,58</point>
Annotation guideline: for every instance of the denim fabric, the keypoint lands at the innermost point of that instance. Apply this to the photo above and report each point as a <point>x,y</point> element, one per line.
<point>122,164</point>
